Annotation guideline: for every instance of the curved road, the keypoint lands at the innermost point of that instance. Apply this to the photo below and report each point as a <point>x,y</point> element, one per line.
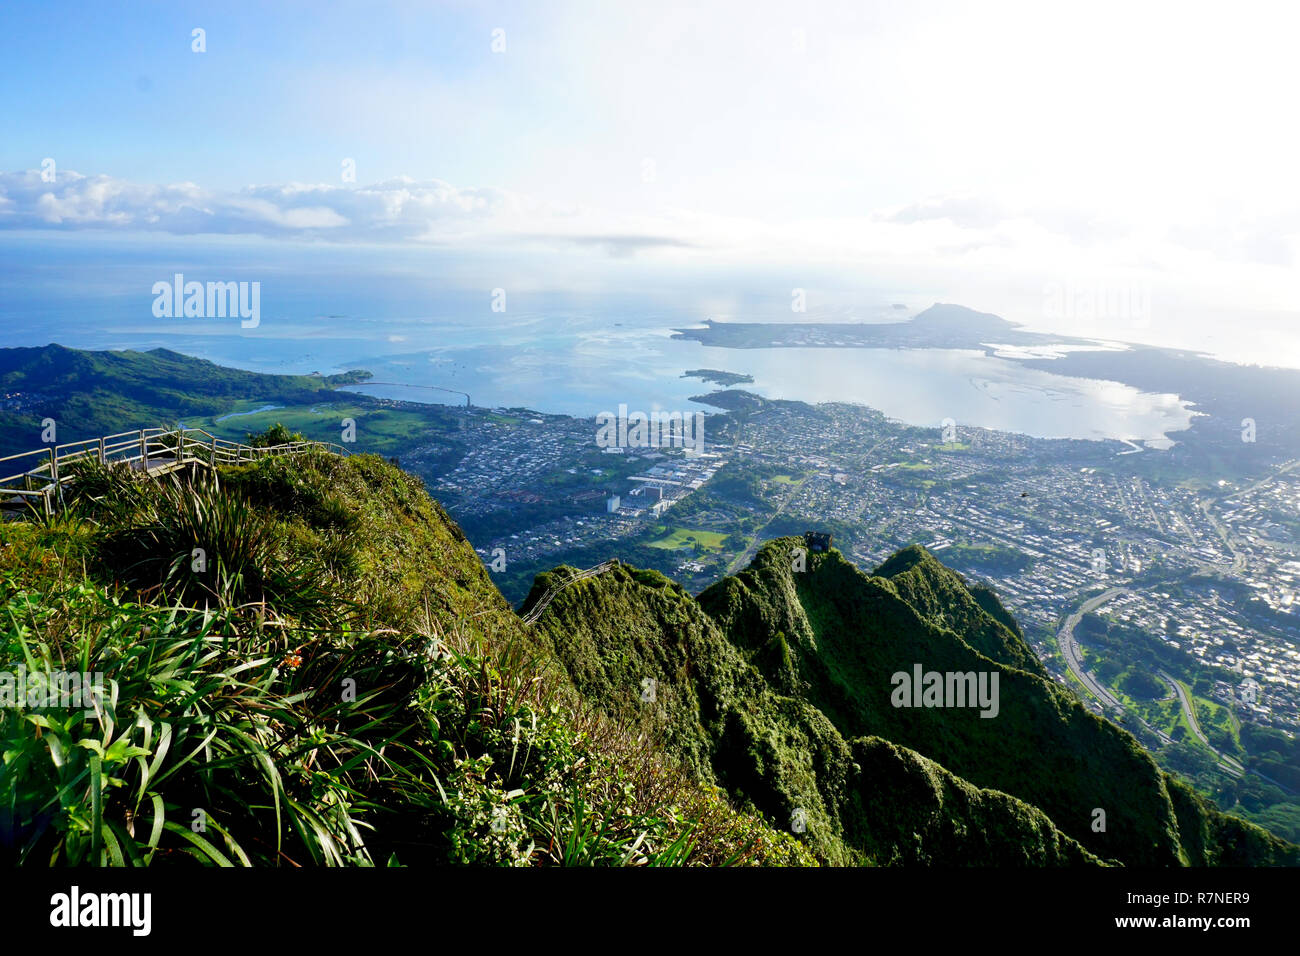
<point>1065,639</point>
<point>1188,711</point>
<point>1069,649</point>
<point>1229,764</point>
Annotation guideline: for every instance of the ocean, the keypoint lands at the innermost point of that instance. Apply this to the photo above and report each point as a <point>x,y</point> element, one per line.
<point>510,335</point>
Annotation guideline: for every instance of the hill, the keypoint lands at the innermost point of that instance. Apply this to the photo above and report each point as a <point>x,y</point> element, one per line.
<point>90,394</point>
<point>959,319</point>
<point>311,666</point>
<point>775,682</point>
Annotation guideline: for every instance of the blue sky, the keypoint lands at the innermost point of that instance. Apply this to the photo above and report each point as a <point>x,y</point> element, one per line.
<point>116,89</point>
<point>990,150</point>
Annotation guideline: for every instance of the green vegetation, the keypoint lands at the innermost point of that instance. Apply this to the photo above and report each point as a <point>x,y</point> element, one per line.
<point>90,394</point>
<point>676,539</point>
<point>378,429</point>
<point>731,714</point>
<point>306,655</point>
<point>986,558</point>
<point>1125,658</point>
<point>387,707</point>
<point>773,681</point>
<point>717,377</point>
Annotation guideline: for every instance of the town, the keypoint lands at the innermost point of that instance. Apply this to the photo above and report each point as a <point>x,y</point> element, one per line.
<point>1208,569</point>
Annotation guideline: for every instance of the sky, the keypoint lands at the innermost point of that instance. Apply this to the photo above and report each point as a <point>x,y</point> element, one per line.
<point>1034,159</point>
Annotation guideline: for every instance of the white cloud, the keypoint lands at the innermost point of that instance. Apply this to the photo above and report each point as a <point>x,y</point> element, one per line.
<point>401,209</point>
<point>396,209</point>
<point>965,240</point>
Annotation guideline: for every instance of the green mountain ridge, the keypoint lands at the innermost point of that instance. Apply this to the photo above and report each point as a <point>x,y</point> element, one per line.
<point>93,393</point>
<point>772,678</point>
<point>456,742</point>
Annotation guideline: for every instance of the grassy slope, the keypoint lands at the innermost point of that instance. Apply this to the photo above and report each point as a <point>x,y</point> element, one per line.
<point>501,761</point>
<point>1043,747</point>
<point>851,632</point>
<point>90,394</point>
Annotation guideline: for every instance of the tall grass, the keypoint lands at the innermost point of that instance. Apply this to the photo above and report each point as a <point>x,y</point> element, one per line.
<point>250,719</point>
<point>213,742</point>
<point>543,778</point>
<point>194,542</point>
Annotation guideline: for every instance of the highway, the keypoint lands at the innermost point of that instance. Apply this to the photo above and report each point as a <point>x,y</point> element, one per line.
<point>1188,711</point>
<point>1069,649</point>
<point>1228,764</point>
<point>1065,639</point>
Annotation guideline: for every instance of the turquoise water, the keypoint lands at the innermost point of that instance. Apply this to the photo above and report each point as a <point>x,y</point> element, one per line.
<point>421,318</point>
<point>252,411</point>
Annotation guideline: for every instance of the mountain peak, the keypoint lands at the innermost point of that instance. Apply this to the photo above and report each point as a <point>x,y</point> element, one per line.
<point>950,315</point>
<point>904,560</point>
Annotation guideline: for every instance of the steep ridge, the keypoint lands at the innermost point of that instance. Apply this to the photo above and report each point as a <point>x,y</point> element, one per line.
<point>737,716</point>
<point>944,601</point>
<point>914,812</point>
<point>636,643</point>
<point>852,632</point>
<point>774,681</point>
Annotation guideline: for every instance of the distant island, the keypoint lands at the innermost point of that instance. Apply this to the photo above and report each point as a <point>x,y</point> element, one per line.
<point>940,326</point>
<point>718,377</point>
<point>1225,394</point>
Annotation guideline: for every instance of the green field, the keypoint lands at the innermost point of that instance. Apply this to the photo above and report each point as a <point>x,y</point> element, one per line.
<point>379,430</point>
<point>680,538</point>
<point>1212,715</point>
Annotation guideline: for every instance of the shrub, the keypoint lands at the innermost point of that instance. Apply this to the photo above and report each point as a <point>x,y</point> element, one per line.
<point>277,434</point>
<point>193,542</point>
<point>214,741</point>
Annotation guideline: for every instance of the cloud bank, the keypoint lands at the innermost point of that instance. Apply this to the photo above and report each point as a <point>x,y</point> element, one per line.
<point>973,234</point>
<point>393,210</point>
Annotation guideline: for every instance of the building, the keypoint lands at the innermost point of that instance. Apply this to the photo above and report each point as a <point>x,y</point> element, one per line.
<point>817,541</point>
<point>612,503</point>
<point>1249,691</point>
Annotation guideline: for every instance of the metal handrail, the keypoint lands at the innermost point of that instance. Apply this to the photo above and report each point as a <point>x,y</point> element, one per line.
<point>172,450</point>
<point>545,600</point>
